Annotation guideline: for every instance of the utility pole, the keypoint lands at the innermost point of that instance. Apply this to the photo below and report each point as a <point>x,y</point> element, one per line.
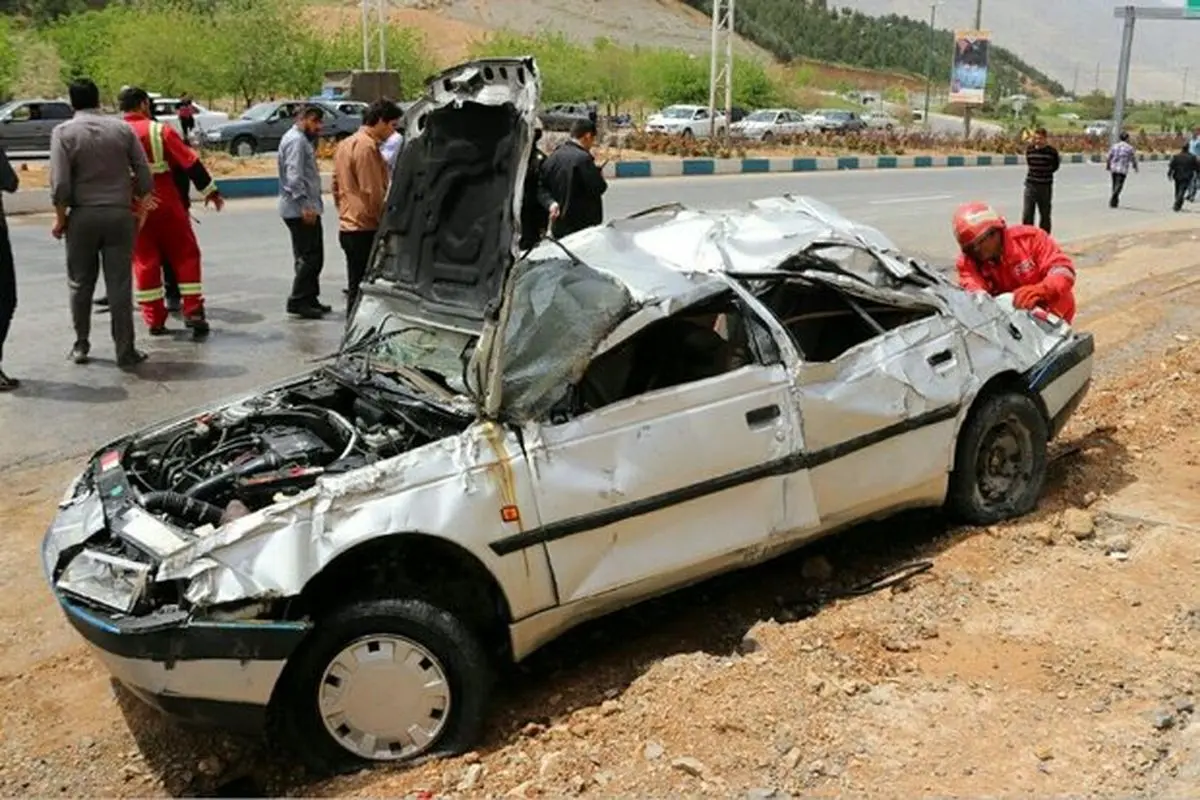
<point>1075,83</point>
<point>967,111</point>
<point>929,61</point>
<point>1130,14</point>
<point>1183,95</point>
<point>1097,76</point>
<point>366,35</point>
<point>382,34</point>
<point>721,73</point>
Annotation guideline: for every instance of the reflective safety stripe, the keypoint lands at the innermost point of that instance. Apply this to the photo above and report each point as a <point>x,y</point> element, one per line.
<point>1067,271</point>
<point>190,289</point>
<point>148,295</point>
<point>158,159</point>
<point>211,189</point>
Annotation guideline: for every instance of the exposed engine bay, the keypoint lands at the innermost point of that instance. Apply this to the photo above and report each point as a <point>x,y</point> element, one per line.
<point>227,463</point>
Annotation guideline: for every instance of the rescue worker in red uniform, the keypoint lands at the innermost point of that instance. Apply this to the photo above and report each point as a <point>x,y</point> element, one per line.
<point>167,232</point>
<point>1022,259</point>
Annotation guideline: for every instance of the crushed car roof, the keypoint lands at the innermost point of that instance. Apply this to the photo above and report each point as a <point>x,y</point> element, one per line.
<point>666,251</point>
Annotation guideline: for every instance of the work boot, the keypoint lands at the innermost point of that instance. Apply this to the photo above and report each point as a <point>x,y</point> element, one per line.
<point>307,312</point>
<point>199,326</point>
<point>8,384</point>
<point>79,353</point>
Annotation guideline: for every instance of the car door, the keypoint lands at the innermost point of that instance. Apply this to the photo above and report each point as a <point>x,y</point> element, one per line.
<point>701,124</point>
<point>22,127</point>
<point>53,115</point>
<point>277,125</point>
<point>663,487</point>
<point>880,417</point>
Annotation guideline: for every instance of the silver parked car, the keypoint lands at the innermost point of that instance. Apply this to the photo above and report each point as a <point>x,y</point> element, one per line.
<point>25,125</point>
<point>506,447</point>
<point>771,123</point>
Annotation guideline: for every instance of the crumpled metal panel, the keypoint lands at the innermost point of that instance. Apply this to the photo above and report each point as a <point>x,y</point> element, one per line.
<point>454,488</point>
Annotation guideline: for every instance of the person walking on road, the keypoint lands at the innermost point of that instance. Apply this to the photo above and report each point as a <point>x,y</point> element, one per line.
<point>101,187</point>
<point>168,231</point>
<point>1194,149</point>
<point>998,258</point>
<point>1121,158</point>
<point>575,182</point>
<point>9,182</point>
<point>300,205</point>
<point>1183,169</point>
<point>360,184</point>
<point>1042,161</point>
<point>186,111</point>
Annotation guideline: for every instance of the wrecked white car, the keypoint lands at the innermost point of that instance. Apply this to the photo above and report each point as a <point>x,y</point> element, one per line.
<point>510,444</point>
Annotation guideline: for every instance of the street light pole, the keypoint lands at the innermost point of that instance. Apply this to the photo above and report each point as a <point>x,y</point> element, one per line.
<point>929,61</point>
<point>366,36</point>
<point>382,34</point>
<point>967,111</point>
<point>1183,96</point>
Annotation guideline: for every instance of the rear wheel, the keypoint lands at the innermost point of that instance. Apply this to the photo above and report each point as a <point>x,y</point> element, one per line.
<point>687,133</point>
<point>1000,460</point>
<point>243,146</point>
<point>384,681</point>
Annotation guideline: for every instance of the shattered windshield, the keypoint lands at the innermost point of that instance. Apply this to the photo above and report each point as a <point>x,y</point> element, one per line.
<point>402,344</point>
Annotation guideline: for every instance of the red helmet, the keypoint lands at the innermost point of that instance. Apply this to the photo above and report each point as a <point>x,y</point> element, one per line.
<point>973,221</point>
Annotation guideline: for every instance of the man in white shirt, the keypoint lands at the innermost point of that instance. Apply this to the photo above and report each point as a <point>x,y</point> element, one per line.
<point>390,148</point>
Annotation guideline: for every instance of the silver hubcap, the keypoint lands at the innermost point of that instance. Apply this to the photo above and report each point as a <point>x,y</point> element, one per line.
<point>384,698</point>
<point>244,149</point>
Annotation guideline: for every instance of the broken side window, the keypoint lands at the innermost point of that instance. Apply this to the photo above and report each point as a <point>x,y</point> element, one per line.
<point>702,341</point>
<point>824,322</point>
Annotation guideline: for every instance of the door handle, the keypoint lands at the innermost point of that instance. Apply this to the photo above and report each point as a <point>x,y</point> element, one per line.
<point>761,416</point>
<point>940,357</point>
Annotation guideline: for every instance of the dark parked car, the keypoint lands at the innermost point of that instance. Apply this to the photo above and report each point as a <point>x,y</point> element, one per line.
<point>561,116</point>
<point>25,125</point>
<point>833,120</point>
<point>262,126</point>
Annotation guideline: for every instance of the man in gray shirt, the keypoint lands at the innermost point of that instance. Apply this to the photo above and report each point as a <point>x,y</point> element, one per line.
<point>300,206</point>
<point>98,170</point>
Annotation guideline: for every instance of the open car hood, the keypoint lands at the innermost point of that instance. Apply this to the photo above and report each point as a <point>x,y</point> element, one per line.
<point>451,228</point>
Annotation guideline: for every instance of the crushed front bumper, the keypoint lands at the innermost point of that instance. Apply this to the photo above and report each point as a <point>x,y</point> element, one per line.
<point>219,673</point>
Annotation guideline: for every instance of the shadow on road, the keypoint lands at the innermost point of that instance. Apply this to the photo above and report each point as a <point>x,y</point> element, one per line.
<point>601,659</point>
<point>71,392</point>
<point>231,316</point>
<point>167,371</point>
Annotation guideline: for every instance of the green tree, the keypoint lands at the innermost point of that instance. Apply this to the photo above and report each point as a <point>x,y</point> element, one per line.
<point>567,69</point>
<point>83,41</point>
<point>9,60</point>
<point>613,68</point>
<point>667,77</point>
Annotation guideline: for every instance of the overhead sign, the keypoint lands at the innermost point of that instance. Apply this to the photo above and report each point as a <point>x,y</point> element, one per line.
<point>1192,8</point>
<point>968,72</point>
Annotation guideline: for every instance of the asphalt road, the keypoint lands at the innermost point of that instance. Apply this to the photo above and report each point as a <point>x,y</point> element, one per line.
<point>64,409</point>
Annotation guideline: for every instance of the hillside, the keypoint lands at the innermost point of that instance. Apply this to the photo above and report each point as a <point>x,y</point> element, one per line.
<point>1069,37</point>
<point>810,28</point>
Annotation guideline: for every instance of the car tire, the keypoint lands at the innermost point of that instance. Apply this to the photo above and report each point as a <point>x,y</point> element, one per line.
<point>243,146</point>
<point>1000,460</point>
<point>767,136</point>
<point>422,639</point>
<point>687,134</point>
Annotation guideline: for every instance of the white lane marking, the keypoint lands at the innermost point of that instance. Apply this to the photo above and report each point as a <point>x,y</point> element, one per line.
<point>917,199</point>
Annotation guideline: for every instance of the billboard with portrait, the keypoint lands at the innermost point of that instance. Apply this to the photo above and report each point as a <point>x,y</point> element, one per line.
<point>968,73</point>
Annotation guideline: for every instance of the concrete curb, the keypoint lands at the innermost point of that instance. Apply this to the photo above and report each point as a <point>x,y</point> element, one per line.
<point>37,201</point>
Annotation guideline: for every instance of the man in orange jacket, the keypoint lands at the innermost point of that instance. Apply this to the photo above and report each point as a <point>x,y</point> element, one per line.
<point>1022,259</point>
<point>167,231</point>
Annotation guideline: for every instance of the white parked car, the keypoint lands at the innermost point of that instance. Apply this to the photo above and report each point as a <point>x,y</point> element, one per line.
<point>771,123</point>
<point>880,120</point>
<point>166,112</point>
<point>686,121</point>
<point>506,448</point>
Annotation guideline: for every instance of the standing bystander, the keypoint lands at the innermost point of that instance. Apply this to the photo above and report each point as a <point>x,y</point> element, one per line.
<point>360,183</point>
<point>186,111</point>
<point>300,205</point>
<point>575,182</point>
<point>8,272</point>
<point>1121,158</point>
<point>1042,161</point>
<point>1182,170</point>
<point>98,176</point>
<point>1194,149</point>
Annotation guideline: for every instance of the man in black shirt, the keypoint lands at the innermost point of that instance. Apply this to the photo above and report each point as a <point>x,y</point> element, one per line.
<point>575,182</point>
<point>1042,161</point>
<point>1183,169</point>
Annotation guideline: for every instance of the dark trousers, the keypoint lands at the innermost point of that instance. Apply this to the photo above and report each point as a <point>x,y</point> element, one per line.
<point>308,253</point>
<point>1118,183</point>
<point>1193,185</point>
<point>1038,197</point>
<point>102,235</point>
<point>170,284</point>
<point>357,247</point>
<point>1181,189</point>
<point>8,286</point>
<point>186,126</point>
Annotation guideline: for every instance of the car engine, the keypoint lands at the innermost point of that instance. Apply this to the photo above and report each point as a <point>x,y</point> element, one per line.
<point>224,464</point>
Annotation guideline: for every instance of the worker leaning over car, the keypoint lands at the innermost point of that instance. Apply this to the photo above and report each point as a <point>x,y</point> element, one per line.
<point>167,231</point>
<point>1022,259</point>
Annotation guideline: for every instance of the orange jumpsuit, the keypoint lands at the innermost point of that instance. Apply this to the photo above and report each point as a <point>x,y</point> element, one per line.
<point>1030,257</point>
<point>168,229</point>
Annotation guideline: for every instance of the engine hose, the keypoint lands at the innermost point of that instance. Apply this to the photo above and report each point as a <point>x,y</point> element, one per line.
<point>180,505</point>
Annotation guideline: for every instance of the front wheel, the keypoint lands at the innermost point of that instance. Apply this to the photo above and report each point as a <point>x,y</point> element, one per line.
<point>243,146</point>
<point>687,133</point>
<point>385,681</point>
<point>1000,460</point>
